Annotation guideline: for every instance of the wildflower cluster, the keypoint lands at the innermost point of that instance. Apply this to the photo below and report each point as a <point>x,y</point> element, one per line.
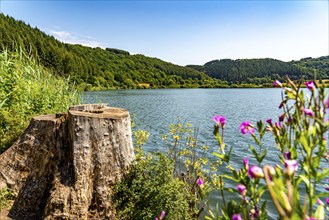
<point>190,161</point>
<point>303,156</point>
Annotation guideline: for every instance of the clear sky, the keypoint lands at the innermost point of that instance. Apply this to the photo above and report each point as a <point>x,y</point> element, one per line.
<point>185,32</point>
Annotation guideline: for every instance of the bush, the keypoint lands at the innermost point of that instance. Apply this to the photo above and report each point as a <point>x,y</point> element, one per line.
<point>27,90</point>
<point>149,189</point>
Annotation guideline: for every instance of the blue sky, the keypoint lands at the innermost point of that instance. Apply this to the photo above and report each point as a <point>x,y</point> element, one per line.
<point>185,32</point>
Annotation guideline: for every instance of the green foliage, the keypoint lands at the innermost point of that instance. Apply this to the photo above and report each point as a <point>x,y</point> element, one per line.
<point>190,163</point>
<point>303,134</point>
<point>300,138</point>
<point>118,51</point>
<point>99,69</point>
<point>149,188</point>
<point>26,90</point>
<point>315,67</point>
<point>6,194</point>
<point>296,193</point>
<point>159,182</point>
<point>250,71</point>
<point>96,68</point>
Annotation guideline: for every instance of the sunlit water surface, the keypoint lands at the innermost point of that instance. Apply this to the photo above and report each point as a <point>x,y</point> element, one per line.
<point>155,110</point>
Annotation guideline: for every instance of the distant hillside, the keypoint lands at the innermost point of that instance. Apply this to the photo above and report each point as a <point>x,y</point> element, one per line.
<point>318,66</point>
<point>255,71</point>
<point>96,68</point>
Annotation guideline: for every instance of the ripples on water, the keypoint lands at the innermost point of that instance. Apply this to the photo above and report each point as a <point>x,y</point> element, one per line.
<point>155,110</point>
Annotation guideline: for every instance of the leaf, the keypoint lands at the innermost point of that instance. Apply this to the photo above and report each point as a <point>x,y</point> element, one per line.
<point>220,156</point>
<point>311,131</point>
<point>216,130</point>
<point>261,129</point>
<point>229,154</point>
<point>230,178</point>
<point>290,95</point>
<point>322,175</point>
<point>217,135</point>
<point>316,162</point>
<point>304,141</point>
<point>230,189</point>
<point>323,194</point>
<point>254,153</point>
<point>263,208</point>
<point>3,102</point>
<point>262,155</point>
<point>261,190</point>
<point>305,180</point>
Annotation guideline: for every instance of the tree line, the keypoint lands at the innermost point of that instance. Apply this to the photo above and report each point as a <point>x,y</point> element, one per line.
<point>314,67</point>
<point>97,68</point>
<point>111,68</point>
<point>264,71</point>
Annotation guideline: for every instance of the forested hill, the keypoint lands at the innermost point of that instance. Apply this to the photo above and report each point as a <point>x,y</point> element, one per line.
<point>318,66</point>
<point>96,68</point>
<point>256,71</point>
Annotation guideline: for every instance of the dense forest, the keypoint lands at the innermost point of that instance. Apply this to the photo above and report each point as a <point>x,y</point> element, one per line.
<point>262,71</point>
<point>96,68</point>
<point>110,68</point>
<point>314,67</point>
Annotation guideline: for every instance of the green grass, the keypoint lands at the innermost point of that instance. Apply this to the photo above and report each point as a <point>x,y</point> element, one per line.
<point>27,89</point>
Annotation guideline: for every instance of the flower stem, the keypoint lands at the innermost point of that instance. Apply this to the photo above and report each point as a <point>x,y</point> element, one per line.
<point>221,189</point>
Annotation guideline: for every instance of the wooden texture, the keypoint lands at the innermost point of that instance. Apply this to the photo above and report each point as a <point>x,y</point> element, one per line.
<point>64,165</point>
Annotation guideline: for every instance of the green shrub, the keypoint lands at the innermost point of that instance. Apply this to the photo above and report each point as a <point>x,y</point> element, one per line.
<point>27,90</point>
<point>149,189</point>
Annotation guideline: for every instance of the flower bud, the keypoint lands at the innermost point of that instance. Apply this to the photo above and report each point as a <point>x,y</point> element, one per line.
<point>277,83</point>
<point>236,217</point>
<point>242,189</point>
<point>281,118</point>
<point>246,163</point>
<point>200,182</point>
<point>163,213</point>
<point>291,167</point>
<point>268,128</point>
<point>272,171</point>
<point>269,121</point>
<point>308,112</point>
<point>310,85</point>
<point>255,172</point>
<point>287,155</point>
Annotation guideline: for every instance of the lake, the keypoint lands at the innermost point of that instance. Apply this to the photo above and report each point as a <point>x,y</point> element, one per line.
<point>155,110</point>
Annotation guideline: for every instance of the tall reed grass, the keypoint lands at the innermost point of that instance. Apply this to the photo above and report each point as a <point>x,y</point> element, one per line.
<point>27,89</point>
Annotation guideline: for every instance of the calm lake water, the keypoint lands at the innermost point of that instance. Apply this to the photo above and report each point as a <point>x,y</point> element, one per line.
<point>155,110</point>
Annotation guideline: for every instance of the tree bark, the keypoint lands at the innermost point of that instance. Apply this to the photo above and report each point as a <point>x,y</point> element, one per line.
<point>64,165</point>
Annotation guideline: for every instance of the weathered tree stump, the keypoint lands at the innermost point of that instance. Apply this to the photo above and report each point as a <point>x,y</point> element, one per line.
<point>63,166</point>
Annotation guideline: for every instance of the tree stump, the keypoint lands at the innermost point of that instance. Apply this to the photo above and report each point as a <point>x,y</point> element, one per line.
<point>63,166</point>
